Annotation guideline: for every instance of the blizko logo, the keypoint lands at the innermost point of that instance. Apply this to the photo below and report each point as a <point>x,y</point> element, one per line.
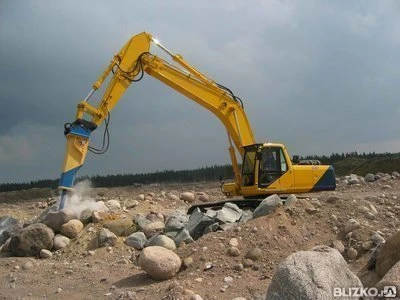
<point>387,292</point>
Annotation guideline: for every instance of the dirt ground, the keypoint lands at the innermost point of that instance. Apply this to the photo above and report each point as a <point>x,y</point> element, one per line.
<point>111,273</point>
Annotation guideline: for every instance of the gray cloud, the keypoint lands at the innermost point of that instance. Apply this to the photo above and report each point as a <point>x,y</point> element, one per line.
<point>318,76</point>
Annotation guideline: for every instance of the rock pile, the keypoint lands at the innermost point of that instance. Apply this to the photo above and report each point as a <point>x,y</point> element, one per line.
<point>182,228</point>
<point>379,177</point>
<point>54,229</point>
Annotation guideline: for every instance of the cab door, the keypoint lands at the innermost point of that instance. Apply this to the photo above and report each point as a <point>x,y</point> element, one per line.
<point>248,167</point>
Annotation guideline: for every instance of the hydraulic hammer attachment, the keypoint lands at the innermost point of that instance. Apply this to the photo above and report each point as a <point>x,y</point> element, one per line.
<point>77,135</point>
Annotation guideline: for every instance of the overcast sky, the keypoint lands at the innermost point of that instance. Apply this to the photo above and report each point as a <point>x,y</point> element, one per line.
<point>318,76</point>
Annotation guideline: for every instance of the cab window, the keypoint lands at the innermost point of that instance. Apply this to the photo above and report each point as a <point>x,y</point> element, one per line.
<point>269,160</point>
<point>272,166</point>
<point>284,166</point>
<point>248,167</point>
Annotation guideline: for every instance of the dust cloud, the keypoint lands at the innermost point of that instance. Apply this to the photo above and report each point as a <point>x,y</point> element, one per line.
<point>81,199</point>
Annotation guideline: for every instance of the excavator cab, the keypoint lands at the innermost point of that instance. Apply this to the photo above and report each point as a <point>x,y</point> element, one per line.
<point>263,165</point>
<point>267,169</point>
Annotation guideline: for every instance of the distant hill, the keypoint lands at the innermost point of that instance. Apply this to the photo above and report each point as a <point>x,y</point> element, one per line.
<point>26,194</point>
<point>360,163</point>
<point>362,166</point>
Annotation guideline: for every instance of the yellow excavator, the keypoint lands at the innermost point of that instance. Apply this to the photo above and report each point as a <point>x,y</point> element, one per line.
<point>266,167</point>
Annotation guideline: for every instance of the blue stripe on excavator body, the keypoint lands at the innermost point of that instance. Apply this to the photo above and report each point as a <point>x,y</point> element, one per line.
<point>327,182</point>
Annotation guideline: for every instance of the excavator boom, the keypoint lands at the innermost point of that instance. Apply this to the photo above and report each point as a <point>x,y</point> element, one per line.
<point>128,66</point>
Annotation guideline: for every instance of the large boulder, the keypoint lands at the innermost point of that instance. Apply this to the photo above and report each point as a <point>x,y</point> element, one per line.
<point>131,203</point>
<point>377,239</point>
<point>353,181</point>
<point>141,221</point>
<point>203,197</point>
<point>100,207</point>
<point>43,215</point>
<point>230,213</point>
<point>172,234</point>
<point>153,216</point>
<point>172,197</point>
<point>351,225</point>
<point>212,228</point>
<point>254,254</point>
<point>183,236</point>
<point>54,219</point>
<point>136,240</point>
<point>369,177</point>
<point>113,205</point>
<point>121,227</point>
<point>267,206</point>
<point>187,196</point>
<point>60,241</point>
<point>107,238</point>
<point>153,228</point>
<point>311,275</point>
<point>72,228</point>
<point>388,255</point>
<point>8,226</point>
<point>291,199</point>
<point>198,222</point>
<point>247,215</point>
<point>176,222</point>
<point>44,253</point>
<point>30,240</point>
<point>162,241</point>
<point>159,263</point>
<point>86,216</point>
<point>396,174</point>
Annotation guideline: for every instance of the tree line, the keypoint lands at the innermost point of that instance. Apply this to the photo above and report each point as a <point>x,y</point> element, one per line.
<point>209,173</point>
<point>336,157</point>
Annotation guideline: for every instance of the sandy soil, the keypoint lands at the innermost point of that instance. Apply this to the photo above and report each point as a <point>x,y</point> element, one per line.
<point>111,273</point>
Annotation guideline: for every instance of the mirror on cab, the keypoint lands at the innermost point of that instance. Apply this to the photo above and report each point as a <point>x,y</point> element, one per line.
<point>296,159</point>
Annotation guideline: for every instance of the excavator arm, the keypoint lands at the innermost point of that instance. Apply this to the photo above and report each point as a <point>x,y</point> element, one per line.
<point>128,66</point>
